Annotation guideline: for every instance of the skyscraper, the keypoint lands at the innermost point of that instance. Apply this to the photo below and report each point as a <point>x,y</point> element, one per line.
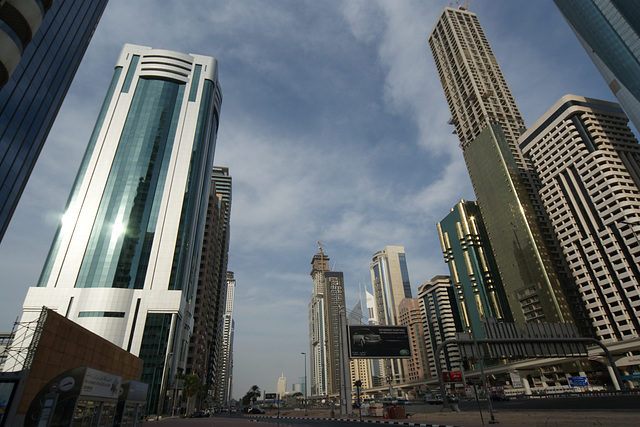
<point>609,31</point>
<point>488,124</point>
<point>589,163</point>
<point>409,315</point>
<point>326,307</point>
<point>206,347</point>
<point>226,359</point>
<point>41,65</point>
<point>390,281</point>
<point>124,260</point>
<point>441,322</point>
<point>474,273</point>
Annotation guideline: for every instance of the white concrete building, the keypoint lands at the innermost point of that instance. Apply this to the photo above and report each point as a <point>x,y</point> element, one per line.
<point>589,164</point>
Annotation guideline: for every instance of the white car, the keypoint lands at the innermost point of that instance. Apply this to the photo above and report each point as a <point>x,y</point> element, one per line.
<point>365,337</point>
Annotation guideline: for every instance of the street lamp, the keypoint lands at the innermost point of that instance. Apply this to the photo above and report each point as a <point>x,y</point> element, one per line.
<point>305,384</point>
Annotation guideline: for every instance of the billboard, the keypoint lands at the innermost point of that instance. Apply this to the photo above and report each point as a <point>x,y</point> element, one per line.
<point>379,342</point>
<point>452,376</point>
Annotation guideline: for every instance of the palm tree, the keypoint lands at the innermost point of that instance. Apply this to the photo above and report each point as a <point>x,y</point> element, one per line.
<point>251,396</point>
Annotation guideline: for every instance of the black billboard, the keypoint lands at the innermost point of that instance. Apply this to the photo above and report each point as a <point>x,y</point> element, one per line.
<point>379,342</point>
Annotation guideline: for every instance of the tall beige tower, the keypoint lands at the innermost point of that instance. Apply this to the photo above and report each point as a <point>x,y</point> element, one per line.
<point>326,305</point>
<point>390,280</point>
<point>488,124</point>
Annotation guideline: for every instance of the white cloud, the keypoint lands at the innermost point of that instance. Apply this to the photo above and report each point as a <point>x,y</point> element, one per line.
<point>333,126</point>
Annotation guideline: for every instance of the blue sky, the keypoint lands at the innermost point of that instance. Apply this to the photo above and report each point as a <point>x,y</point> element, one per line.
<point>334,127</point>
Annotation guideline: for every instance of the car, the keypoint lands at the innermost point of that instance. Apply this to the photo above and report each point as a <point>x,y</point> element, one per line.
<point>433,399</point>
<point>404,402</point>
<point>365,337</point>
<point>255,410</point>
<point>499,398</point>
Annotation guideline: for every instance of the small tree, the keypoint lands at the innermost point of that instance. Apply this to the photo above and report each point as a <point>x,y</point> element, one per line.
<point>191,387</point>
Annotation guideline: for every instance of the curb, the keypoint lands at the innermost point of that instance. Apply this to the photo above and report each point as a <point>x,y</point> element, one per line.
<point>397,423</point>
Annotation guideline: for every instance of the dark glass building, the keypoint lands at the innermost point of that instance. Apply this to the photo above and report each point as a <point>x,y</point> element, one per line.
<point>609,31</point>
<point>42,65</point>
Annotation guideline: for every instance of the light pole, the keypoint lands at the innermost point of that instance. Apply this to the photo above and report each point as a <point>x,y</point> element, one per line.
<point>305,384</point>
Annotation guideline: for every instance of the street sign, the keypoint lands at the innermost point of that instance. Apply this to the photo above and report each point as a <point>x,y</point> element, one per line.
<point>631,377</point>
<point>578,381</point>
<point>270,396</point>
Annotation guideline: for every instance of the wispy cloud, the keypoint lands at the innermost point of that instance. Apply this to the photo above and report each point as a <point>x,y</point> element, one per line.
<point>333,126</point>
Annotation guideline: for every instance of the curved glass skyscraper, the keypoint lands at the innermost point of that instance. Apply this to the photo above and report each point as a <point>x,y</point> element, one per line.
<point>124,261</point>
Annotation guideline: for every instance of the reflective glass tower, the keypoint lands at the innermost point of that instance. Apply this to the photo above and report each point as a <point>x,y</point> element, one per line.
<point>41,65</point>
<point>609,31</point>
<point>124,261</point>
<point>479,293</point>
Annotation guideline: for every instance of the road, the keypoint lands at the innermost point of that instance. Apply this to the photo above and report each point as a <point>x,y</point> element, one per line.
<point>560,411</point>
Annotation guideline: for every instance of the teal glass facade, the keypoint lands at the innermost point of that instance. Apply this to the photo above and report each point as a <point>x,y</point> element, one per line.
<point>118,250</point>
<point>153,352</point>
<point>479,293</point>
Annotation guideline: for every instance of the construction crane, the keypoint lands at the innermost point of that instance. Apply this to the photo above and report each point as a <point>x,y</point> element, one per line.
<point>460,7</point>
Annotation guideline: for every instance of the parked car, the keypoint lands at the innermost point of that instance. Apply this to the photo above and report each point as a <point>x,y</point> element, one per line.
<point>433,399</point>
<point>499,398</point>
<point>255,410</point>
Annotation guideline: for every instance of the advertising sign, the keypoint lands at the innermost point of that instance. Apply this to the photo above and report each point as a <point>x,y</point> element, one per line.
<point>516,379</point>
<point>452,376</point>
<point>100,384</point>
<point>379,342</point>
<point>270,396</point>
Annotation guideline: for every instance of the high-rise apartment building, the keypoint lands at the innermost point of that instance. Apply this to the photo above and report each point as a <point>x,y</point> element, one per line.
<point>589,163</point>
<point>326,307</point>
<point>488,124</point>
<point>206,299</point>
<point>474,273</point>
<point>441,322</point>
<point>124,261</point>
<point>226,360</point>
<point>219,278</point>
<point>409,315</point>
<point>609,31</point>
<point>390,281</point>
<point>41,46</point>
